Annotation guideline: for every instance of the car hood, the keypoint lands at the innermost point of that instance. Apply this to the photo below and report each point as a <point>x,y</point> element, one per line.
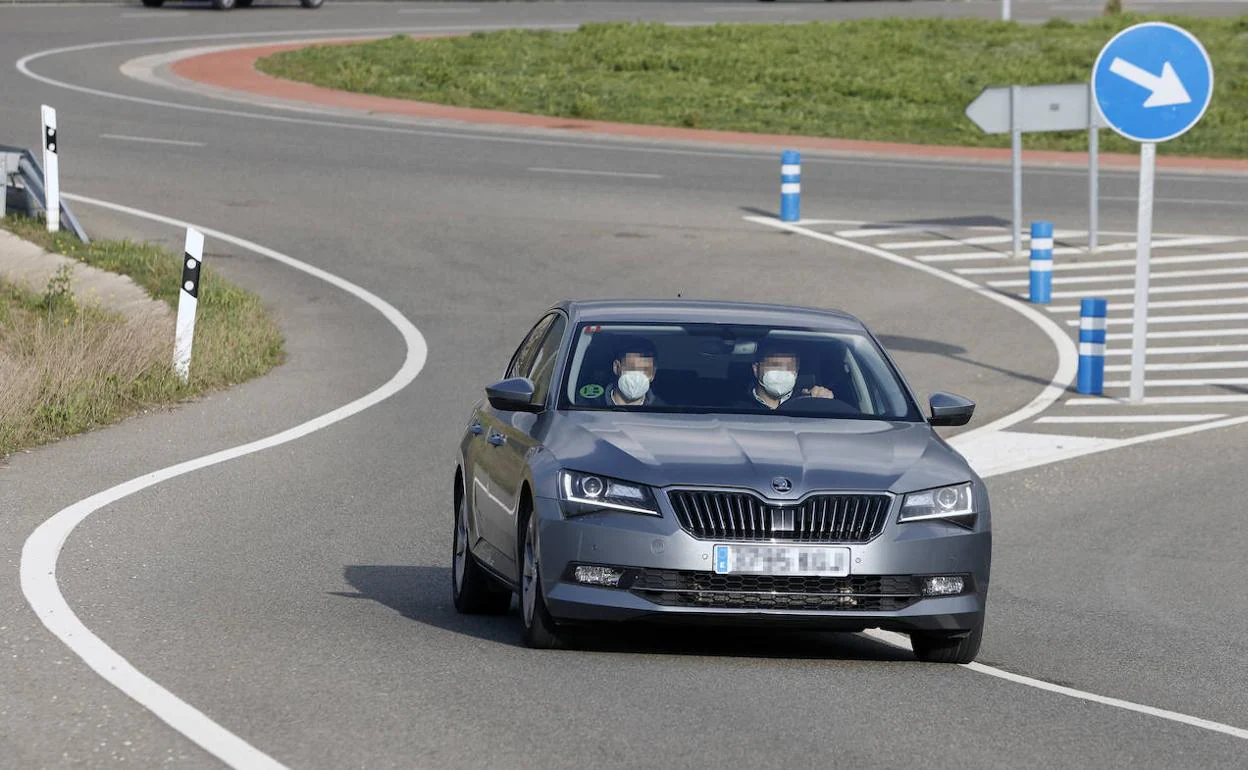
<point>749,451</point>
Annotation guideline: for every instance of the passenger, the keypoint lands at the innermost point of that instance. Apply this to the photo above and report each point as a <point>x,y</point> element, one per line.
<point>634,370</point>
<point>775,377</point>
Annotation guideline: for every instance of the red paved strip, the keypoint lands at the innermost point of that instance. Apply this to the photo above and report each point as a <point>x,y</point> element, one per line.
<point>235,69</point>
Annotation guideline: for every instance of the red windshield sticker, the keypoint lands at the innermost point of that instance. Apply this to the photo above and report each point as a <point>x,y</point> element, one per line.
<point>592,329</point>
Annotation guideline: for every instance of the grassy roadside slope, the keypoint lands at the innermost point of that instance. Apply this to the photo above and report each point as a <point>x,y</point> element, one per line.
<point>904,80</point>
<point>66,368</point>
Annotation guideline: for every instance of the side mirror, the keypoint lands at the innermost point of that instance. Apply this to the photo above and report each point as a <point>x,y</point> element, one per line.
<point>513,395</point>
<point>948,409</point>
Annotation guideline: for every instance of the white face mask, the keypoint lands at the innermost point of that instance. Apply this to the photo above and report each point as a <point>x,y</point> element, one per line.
<point>778,382</point>
<point>633,385</point>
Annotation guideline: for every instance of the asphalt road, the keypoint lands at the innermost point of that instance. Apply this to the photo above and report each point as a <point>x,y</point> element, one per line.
<point>300,596</point>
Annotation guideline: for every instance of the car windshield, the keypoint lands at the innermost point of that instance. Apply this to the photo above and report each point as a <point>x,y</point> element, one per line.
<point>732,368</point>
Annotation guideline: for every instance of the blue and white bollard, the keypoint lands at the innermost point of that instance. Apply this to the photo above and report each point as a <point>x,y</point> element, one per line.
<point>790,186</point>
<point>1092,313</point>
<point>1041,262</point>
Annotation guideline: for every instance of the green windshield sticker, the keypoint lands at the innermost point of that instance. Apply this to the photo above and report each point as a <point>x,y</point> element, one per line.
<point>591,391</point>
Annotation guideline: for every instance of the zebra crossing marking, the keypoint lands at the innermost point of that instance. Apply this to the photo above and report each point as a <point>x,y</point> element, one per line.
<point>1128,418</point>
<point>1165,304</point>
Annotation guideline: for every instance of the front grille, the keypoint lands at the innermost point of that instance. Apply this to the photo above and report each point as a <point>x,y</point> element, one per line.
<point>684,588</point>
<point>829,518</point>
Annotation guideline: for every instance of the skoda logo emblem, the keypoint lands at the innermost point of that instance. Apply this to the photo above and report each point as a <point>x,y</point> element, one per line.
<point>781,484</point>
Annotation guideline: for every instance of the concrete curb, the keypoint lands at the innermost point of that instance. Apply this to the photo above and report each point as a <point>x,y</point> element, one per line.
<point>233,69</point>
<point>29,267</point>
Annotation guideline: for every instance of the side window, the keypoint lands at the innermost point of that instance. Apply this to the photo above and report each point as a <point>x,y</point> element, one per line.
<point>522,360</point>
<point>543,370</point>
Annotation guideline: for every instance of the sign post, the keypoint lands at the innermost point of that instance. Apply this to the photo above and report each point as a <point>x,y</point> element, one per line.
<point>1016,168</point>
<point>1151,83</point>
<point>1020,110</point>
<point>1094,170</point>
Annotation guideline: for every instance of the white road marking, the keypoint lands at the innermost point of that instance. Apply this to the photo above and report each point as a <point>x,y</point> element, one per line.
<point>1165,401</point>
<point>988,254</point>
<point>978,240</point>
<point>1185,201</point>
<point>150,140</point>
<point>1189,366</point>
<point>748,9</point>
<point>1174,319</point>
<point>1182,334</point>
<point>1021,267</point>
<point>1161,305</point>
<point>152,14</point>
<point>1129,418</point>
<point>990,453</point>
<point>1183,350</point>
<point>868,232</point>
<point>1122,277</point>
<point>1189,382</point>
<point>590,172</point>
<point>1198,240</point>
<point>438,10</point>
<point>42,549</point>
<point>1195,287</point>
<point>965,257</point>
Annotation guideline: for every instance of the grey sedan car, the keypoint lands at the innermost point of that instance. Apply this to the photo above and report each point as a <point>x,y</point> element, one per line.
<point>718,462</point>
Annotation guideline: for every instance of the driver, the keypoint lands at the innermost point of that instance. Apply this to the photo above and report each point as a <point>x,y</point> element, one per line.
<point>775,376</point>
<point>634,370</point>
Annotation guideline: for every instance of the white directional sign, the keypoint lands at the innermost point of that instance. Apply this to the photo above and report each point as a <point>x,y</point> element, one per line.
<point>1017,110</point>
<point>1041,108</point>
<point>1152,82</point>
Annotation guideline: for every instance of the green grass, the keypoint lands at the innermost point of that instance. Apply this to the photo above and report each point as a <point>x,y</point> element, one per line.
<point>66,368</point>
<point>903,80</point>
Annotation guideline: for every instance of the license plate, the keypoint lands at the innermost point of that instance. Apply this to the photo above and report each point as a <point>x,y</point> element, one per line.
<point>781,560</point>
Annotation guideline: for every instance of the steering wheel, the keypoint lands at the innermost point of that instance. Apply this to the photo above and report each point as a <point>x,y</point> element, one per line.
<point>807,404</point>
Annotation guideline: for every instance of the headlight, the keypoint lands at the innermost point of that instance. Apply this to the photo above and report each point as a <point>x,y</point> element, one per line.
<point>588,492</point>
<point>954,504</point>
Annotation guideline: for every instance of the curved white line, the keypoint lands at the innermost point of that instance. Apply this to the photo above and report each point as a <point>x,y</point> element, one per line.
<point>895,639</point>
<point>43,547</point>
<point>1067,352</point>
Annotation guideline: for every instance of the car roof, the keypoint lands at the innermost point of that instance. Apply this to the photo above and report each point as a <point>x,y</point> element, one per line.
<point>708,311</point>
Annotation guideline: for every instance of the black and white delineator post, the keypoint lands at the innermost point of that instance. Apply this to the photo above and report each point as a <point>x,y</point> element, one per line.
<point>188,301</point>
<point>51,170</point>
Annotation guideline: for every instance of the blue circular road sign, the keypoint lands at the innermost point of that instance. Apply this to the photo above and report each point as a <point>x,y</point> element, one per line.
<point>1152,82</point>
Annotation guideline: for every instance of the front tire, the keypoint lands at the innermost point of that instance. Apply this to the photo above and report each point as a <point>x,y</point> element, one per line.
<point>472,589</point>
<point>944,647</point>
<point>153,3</point>
<point>243,3</point>
<point>311,3</point>
<point>223,5</point>
<point>540,631</point>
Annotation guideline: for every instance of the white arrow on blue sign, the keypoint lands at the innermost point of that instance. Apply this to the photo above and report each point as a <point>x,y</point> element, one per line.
<point>1152,82</point>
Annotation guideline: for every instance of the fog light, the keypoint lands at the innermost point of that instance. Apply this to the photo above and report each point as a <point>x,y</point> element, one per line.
<point>598,576</point>
<point>942,585</point>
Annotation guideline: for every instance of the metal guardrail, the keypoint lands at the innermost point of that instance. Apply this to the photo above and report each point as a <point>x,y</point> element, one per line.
<point>21,166</point>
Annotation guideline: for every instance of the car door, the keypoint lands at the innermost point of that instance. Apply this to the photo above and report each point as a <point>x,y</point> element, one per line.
<point>518,431</point>
<point>494,515</point>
